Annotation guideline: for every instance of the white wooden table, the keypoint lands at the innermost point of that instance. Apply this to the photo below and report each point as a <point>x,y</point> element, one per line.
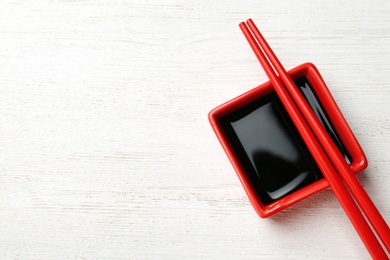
<point>105,147</point>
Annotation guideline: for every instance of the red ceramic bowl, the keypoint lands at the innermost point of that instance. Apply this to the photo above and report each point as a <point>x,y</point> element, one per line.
<point>358,159</point>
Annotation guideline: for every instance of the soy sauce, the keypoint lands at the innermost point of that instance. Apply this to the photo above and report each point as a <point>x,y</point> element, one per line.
<point>269,147</point>
<point>305,88</point>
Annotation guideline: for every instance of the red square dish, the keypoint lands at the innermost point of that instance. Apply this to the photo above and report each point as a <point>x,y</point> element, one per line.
<point>265,149</point>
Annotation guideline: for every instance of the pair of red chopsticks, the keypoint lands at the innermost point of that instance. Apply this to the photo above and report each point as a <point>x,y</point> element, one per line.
<point>332,164</point>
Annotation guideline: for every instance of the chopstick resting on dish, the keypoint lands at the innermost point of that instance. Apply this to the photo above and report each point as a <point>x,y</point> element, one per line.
<point>321,146</point>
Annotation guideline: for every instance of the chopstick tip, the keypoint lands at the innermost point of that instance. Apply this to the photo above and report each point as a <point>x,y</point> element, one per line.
<point>243,26</point>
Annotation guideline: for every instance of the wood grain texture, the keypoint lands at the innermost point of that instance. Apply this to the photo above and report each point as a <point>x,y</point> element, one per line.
<point>105,147</point>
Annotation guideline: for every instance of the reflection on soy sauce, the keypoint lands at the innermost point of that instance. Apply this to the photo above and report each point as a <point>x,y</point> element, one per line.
<point>270,148</point>
<point>273,168</point>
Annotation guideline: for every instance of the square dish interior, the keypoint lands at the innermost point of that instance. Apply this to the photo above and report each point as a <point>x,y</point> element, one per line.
<point>270,148</point>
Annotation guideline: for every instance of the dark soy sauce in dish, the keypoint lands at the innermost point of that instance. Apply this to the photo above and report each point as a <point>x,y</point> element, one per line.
<point>269,147</point>
<point>305,88</point>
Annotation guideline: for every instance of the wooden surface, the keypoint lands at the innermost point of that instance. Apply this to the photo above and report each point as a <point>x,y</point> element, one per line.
<point>105,147</point>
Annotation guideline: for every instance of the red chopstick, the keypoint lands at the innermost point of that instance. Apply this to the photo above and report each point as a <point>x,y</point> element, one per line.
<point>284,90</point>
